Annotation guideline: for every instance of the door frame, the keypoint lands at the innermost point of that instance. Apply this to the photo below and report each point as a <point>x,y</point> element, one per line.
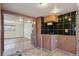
<point>2,33</point>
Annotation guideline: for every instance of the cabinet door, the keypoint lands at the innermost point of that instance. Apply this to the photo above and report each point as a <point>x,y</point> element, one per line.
<point>46,43</point>
<point>71,44</point>
<point>67,43</point>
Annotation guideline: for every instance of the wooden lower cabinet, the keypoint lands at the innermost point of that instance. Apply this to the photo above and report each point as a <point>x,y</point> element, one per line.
<point>63,42</point>
<point>67,43</point>
<point>49,42</point>
<point>39,42</point>
<point>46,42</point>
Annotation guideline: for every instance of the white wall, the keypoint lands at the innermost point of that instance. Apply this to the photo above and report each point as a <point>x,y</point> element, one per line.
<point>27,28</point>
<point>21,29</point>
<point>13,20</point>
<point>16,33</point>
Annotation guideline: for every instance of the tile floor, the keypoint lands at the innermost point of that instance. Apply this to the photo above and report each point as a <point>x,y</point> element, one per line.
<point>26,49</point>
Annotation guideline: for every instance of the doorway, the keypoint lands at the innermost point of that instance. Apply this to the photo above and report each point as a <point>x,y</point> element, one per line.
<point>17,34</point>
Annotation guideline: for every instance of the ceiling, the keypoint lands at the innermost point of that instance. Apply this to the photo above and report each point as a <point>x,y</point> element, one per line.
<point>34,10</point>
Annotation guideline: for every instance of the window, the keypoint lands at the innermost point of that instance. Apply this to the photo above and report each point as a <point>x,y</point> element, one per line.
<point>9,27</point>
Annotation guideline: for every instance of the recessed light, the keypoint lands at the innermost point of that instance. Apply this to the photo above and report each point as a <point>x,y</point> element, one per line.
<point>34,22</point>
<point>42,4</point>
<point>55,10</point>
<point>20,19</point>
<point>29,21</point>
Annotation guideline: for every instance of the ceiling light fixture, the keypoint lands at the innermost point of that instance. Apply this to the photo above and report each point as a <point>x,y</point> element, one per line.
<point>34,22</point>
<point>43,4</point>
<point>49,23</point>
<point>20,19</point>
<point>55,10</point>
<point>29,21</point>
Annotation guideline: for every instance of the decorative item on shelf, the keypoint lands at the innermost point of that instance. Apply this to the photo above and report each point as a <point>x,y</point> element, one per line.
<point>69,19</point>
<point>66,17</point>
<point>21,19</point>
<point>75,28</point>
<point>66,30</point>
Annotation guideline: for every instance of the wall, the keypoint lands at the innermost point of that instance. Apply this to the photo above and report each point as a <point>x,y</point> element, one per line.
<point>21,29</point>
<point>28,28</point>
<point>13,20</point>
<point>77,32</point>
<point>64,26</point>
<point>16,33</point>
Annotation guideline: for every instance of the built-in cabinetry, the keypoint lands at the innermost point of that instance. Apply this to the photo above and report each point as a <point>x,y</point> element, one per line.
<point>59,35</point>
<point>49,42</point>
<point>64,25</point>
<point>44,41</point>
<point>67,43</point>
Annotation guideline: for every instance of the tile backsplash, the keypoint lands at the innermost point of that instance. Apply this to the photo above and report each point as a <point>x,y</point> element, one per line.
<point>65,26</point>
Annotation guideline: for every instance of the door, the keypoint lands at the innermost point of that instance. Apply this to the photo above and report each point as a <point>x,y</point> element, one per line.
<point>1,32</point>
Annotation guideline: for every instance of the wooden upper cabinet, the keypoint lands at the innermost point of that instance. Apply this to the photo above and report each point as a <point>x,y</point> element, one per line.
<point>50,18</point>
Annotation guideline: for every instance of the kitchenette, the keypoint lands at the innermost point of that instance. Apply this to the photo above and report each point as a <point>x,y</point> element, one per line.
<point>56,32</point>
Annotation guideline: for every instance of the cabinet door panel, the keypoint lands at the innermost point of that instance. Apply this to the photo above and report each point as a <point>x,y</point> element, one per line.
<point>46,42</point>
<point>67,43</point>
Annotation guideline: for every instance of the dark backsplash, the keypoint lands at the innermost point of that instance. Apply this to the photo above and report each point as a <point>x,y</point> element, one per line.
<point>60,26</point>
